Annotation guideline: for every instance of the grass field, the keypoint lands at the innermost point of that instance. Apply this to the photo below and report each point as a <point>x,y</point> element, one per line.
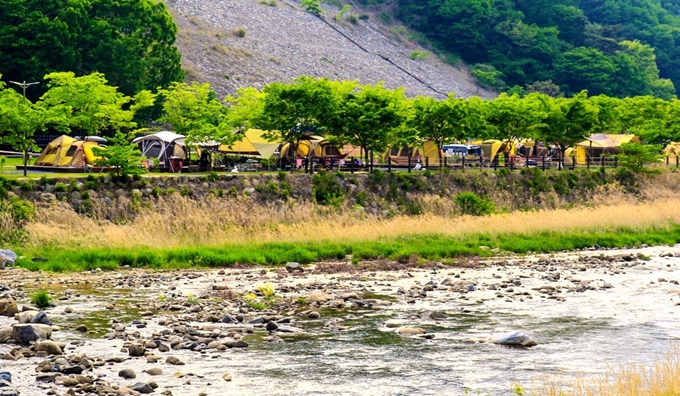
<point>212,233</point>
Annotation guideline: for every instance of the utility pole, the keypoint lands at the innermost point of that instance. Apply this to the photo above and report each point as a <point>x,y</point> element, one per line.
<point>24,85</point>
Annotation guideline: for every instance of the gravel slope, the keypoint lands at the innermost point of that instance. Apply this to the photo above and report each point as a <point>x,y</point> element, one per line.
<point>283,42</point>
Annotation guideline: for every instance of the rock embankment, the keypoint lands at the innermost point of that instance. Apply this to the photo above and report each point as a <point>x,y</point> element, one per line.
<point>241,43</point>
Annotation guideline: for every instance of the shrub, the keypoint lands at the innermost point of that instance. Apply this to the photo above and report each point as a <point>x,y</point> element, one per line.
<point>351,18</point>
<point>326,189</point>
<point>364,17</point>
<point>418,55</point>
<point>60,187</point>
<point>41,299</point>
<point>470,203</point>
<point>240,32</point>
<point>213,176</point>
<point>313,6</point>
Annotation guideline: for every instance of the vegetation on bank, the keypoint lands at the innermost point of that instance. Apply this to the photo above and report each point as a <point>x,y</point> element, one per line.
<point>413,249</point>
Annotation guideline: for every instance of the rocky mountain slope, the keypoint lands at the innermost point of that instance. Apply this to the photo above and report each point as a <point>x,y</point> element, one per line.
<point>239,43</point>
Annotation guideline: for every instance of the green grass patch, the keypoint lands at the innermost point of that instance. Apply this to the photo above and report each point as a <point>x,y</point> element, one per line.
<point>426,247</point>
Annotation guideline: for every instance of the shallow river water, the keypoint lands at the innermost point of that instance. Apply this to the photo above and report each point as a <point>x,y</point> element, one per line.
<point>635,320</point>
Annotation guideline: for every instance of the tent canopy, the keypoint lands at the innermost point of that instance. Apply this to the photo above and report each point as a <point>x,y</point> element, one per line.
<point>252,144</point>
<point>162,145</point>
<point>66,151</point>
<point>672,149</point>
<point>601,144</point>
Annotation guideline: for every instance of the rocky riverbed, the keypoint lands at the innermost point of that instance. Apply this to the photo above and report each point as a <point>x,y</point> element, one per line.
<point>338,330</point>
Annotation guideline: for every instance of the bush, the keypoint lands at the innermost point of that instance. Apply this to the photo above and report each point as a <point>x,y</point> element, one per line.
<point>418,55</point>
<point>240,32</point>
<point>326,189</point>
<point>470,203</point>
<point>41,299</point>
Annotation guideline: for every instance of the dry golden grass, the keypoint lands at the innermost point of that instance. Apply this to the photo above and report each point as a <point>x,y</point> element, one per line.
<point>663,379</point>
<point>178,221</point>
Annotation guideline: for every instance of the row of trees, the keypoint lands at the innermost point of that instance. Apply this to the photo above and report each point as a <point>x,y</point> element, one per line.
<point>369,116</point>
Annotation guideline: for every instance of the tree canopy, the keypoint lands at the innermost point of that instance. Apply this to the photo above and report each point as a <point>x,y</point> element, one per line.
<point>131,42</point>
<point>619,48</point>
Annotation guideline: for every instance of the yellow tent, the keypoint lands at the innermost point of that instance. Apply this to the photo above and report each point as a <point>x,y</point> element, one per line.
<point>601,144</point>
<point>316,147</point>
<point>426,153</point>
<point>66,151</point>
<point>253,144</point>
<point>492,147</point>
<point>672,149</point>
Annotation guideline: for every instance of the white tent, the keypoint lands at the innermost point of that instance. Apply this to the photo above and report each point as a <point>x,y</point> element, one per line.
<point>162,145</point>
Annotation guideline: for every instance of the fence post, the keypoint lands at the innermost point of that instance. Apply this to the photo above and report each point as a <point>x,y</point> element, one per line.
<point>588,161</point>
<point>409,163</point>
<point>543,162</point>
<point>427,162</point>
<point>573,162</point>
<point>351,165</point>
<point>370,168</point>
<point>677,160</point>
<point>463,164</point>
<point>445,164</point>
<point>389,164</point>
<point>495,164</point>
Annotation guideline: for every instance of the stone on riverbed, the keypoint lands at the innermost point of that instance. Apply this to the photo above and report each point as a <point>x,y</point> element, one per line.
<point>411,331</point>
<point>51,347</point>
<point>23,333</point>
<point>516,338</point>
<point>8,307</point>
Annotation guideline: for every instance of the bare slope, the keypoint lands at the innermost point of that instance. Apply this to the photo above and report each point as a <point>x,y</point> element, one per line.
<point>237,43</point>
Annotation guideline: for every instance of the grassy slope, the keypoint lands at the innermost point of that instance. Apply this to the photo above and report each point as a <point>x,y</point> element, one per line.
<point>426,247</point>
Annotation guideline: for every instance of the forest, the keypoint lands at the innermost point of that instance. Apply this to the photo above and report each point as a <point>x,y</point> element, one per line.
<point>620,48</point>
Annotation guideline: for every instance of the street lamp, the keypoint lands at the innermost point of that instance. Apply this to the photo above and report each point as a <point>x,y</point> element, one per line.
<point>24,85</point>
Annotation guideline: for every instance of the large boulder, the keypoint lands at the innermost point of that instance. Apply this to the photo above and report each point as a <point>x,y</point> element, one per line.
<point>41,317</point>
<point>516,338</point>
<point>5,334</point>
<point>8,256</point>
<point>24,333</point>
<point>51,347</point>
<point>8,307</point>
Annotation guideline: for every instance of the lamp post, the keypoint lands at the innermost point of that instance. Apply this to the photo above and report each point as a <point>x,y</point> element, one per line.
<point>24,85</point>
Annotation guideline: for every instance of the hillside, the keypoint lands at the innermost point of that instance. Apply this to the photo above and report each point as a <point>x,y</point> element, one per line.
<point>615,47</point>
<point>241,43</point>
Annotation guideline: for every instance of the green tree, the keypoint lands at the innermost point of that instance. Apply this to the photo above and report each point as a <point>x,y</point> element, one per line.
<point>514,118</point>
<point>194,110</point>
<point>635,156</point>
<point>648,118</point>
<point>89,106</point>
<point>245,107</point>
<point>131,42</point>
<point>121,155</point>
<point>19,121</point>
<point>292,111</point>
<point>367,117</point>
<point>567,121</point>
<point>450,120</point>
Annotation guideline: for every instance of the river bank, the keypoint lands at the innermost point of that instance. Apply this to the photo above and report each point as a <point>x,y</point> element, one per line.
<point>335,329</point>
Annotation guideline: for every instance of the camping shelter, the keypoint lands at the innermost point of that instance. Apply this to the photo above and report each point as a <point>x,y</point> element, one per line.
<point>315,147</point>
<point>600,145</point>
<point>253,144</point>
<point>672,149</point>
<point>426,153</point>
<point>66,151</point>
<point>492,147</point>
<point>163,146</point>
